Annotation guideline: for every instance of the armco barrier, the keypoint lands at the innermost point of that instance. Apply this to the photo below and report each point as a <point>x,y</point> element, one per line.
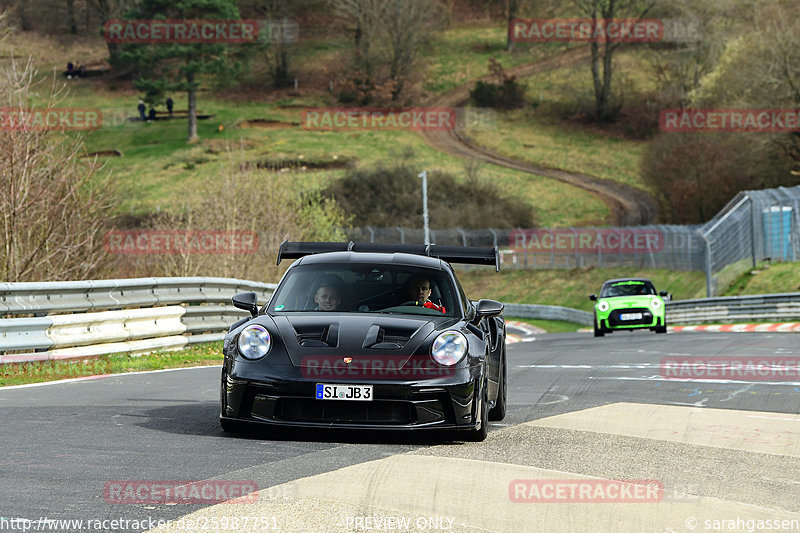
<point>733,309</point>
<point>85,318</point>
<point>548,312</point>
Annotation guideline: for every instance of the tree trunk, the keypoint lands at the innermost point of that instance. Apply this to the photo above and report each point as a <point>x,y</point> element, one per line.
<point>512,14</point>
<point>73,26</point>
<point>192,108</point>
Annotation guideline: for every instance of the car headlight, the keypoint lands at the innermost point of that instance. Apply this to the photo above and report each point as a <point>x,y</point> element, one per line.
<point>254,342</point>
<point>655,303</point>
<point>603,306</point>
<point>449,348</point>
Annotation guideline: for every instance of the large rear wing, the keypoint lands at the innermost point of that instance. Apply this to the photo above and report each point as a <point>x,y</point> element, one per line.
<point>451,254</point>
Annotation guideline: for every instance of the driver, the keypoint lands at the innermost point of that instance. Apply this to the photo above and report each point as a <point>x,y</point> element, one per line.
<point>419,290</point>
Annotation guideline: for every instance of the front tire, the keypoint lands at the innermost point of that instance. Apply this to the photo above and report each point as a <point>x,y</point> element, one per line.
<point>498,412</point>
<point>598,332</point>
<point>662,329</point>
<point>479,435</point>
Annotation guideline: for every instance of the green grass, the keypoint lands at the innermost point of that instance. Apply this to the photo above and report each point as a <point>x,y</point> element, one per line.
<point>551,326</point>
<point>40,371</point>
<point>462,54</point>
<point>569,288</point>
<point>159,170</point>
<point>767,279</point>
<point>537,133</point>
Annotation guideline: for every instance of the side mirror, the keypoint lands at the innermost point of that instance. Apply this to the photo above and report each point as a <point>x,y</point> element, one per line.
<point>247,301</point>
<point>593,297</point>
<point>664,294</point>
<point>486,308</point>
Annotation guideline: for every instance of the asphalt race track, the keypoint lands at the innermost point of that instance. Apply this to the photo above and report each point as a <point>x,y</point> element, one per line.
<point>700,454</point>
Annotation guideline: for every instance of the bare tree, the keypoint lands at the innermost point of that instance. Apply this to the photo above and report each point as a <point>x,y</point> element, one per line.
<point>605,109</point>
<point>389,36</point>
<point>109,10</point>
<point>249,201</point>
<point>55,207</point>
<point>760,68</point>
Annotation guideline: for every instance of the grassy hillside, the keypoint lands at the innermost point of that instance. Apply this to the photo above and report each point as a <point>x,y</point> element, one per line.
<point>158,169</point>
<point>571,288</point>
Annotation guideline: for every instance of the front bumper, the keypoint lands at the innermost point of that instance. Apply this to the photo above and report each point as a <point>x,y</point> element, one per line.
<point>614,320</point>
<point>288,399</point>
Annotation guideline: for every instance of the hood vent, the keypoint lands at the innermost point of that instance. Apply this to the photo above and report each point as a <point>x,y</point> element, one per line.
<point>318,336</point>
<point>383,338</point>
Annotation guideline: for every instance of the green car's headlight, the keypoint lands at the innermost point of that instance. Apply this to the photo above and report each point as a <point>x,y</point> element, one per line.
<point>655,303</point>
<point>603,306</point>
<point>254,342</point>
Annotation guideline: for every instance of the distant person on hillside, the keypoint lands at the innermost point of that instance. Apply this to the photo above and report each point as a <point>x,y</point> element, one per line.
<point>141,107</point>
<point>151,115</point>
<point>170,105</point>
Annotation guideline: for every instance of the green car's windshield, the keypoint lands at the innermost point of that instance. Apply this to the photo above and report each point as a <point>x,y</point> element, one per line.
<point>366,288</point>
<point>627,288</point>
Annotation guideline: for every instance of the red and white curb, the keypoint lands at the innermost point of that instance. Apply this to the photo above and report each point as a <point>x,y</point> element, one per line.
<point>521,332</point>
<point>785,327</point>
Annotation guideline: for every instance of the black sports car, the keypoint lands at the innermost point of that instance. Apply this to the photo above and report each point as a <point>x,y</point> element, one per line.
<point>368,336</point>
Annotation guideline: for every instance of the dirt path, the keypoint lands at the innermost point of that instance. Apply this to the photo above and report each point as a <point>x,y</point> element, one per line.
<point>629,206</point>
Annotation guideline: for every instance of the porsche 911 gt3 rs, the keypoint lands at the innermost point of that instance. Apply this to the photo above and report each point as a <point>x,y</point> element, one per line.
<point>346,341</point>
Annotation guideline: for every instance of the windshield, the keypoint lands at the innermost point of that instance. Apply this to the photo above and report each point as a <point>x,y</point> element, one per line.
<point>627,288</point>
<point>366,288</point>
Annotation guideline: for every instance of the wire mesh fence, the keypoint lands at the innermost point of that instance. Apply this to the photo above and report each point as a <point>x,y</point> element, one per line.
<point>669,247</point>
<point>755,226</point>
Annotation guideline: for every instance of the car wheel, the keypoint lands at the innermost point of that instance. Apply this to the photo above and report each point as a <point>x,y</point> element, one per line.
<point>498,412</point>
<point>479,435</point>
<point>662,329</point>
<point>598,332</point>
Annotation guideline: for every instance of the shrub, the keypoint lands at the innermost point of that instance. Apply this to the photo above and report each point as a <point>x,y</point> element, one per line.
<point>391,196</point>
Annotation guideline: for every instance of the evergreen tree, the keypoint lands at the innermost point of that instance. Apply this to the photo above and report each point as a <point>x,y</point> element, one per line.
<point>181,67</point>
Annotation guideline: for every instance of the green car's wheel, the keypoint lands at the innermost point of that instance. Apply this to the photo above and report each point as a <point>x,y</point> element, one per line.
<point>598,332</point>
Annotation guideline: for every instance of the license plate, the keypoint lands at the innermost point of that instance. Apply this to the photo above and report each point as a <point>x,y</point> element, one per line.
<point>359,393</point>
<point>630,316</point>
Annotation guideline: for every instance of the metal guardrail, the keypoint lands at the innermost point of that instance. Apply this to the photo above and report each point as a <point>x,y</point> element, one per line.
<point>115,316</point>
<point>85,318</point>
<point>548,312</point>
<point>761,308</point>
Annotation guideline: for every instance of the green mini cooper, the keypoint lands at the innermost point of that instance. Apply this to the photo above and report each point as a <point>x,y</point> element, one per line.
<point>629,303</point>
